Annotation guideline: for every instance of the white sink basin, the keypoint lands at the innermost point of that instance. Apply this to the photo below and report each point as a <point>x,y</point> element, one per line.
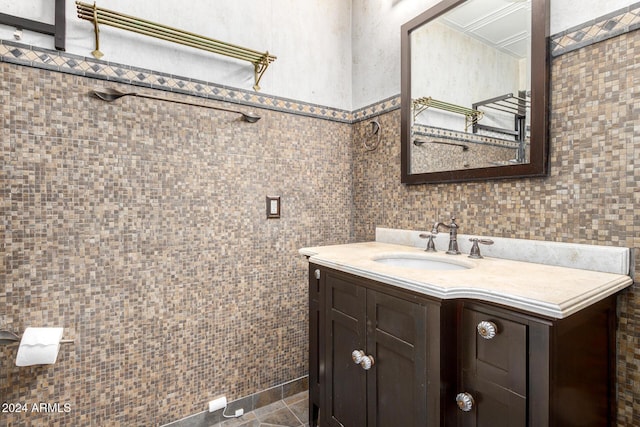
<point>421,262</point>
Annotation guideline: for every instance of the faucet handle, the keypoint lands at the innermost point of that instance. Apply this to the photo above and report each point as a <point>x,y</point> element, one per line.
<point>475,249</point>
<point>431,247</point>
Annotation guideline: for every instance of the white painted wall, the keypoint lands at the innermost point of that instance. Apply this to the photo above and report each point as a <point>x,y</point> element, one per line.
<point>311,38</point>
<point>338,53</point>
<point>376,46</point>
<point>566,14</point>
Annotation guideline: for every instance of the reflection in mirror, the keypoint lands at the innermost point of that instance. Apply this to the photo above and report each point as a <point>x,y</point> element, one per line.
<point>467,91</point>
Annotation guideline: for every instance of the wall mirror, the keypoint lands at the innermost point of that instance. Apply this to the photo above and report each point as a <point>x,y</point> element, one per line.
<point>475,91</point>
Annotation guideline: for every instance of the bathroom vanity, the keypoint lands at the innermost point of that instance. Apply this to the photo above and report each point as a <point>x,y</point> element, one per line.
<point>492,342</point>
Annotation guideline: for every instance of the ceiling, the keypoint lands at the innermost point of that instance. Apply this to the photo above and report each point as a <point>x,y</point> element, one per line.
<point>503,24</point>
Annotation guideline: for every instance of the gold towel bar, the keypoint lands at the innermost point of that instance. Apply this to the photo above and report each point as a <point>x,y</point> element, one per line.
<point>97,15</point>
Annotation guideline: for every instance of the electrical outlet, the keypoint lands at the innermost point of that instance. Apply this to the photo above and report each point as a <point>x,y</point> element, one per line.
<point>239,412</point>
<point>218,403</point>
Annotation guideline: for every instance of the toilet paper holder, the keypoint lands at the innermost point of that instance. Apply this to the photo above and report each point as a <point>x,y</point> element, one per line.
<point>8,338</point>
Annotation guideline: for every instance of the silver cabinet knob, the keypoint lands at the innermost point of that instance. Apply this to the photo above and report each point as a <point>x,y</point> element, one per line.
<point>465,401</point>
<point>487,330</point>
<point>317,273</point>
<point>359,358</point>
<point>367,362</point>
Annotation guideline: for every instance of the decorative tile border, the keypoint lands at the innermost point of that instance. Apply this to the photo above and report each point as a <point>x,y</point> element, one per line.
<point>381,107</point>
<point>608,26</point>
<point>32,56</point>
<point>603,28</point>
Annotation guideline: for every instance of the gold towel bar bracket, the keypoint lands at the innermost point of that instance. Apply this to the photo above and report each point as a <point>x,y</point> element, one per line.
<point>96,53</point>
<point>260,67</point>
<point>97,16</point>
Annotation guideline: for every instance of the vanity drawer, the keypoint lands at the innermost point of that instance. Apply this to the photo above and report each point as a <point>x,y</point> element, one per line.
<point>494,350</point>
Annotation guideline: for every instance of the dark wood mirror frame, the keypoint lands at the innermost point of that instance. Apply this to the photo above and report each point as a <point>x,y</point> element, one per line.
<point>539,149</point>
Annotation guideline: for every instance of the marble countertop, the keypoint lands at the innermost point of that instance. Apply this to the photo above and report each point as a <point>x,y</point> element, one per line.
<point>547,290</point>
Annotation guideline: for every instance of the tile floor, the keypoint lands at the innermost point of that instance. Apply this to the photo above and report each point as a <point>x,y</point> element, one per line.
<point>292,411</point>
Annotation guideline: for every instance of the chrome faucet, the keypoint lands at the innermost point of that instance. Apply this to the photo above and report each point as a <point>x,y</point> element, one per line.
<point>453,235</point>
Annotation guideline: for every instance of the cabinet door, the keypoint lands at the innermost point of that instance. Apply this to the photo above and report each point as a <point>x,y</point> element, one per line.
<point>494,370</point>
<point>397,382</point>
<point>345,332</point>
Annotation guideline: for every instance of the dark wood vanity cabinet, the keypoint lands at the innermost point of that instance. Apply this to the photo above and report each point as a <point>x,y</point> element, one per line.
<point>433,359</point>
<point>316,342</point>
<point>399,332</point>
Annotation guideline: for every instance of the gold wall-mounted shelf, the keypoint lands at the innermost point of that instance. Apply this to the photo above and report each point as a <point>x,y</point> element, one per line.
<point>98,15</point>
<point>471,116</point>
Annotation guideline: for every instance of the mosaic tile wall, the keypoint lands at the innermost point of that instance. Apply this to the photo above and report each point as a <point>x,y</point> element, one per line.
<point>140,227</point>
<point>591,196</point>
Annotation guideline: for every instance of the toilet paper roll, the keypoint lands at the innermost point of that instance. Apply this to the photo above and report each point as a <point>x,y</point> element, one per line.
<point>39,346</point>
